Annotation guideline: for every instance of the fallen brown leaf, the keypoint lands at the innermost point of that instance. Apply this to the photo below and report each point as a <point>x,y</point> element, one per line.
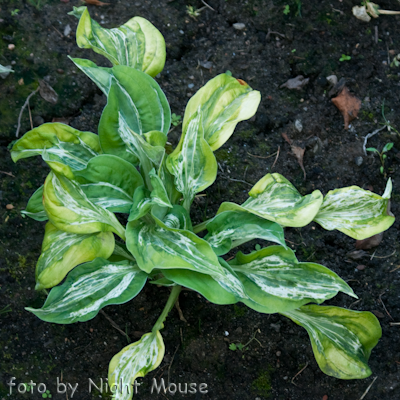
<point>378,314</point>
<point>370,242</point>
<point>62,120</point>
<point>96,3</point>
<point>348,105</point>
<point>47,92</point>
<point>357,254</point>
<point>297,150</point>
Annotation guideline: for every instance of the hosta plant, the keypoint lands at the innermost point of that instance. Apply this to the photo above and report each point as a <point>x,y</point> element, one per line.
<point>90,258</point>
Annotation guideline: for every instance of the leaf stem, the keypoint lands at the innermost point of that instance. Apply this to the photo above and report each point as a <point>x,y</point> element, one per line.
<point>170,303</point>
<point>200,227</point>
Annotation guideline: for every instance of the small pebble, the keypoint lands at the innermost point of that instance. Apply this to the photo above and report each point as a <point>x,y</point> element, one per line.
<point>11,46</point>
<point>332,79</point>
<point>239,26</point>
<point>9,206</point>
<point>13,62</point>
<point>298,125</point>
<point>325,397</point>
<point>226,333</point>
<point>278,353</point>
<point>191,85</point>
<point>358,160</point>
<point>181,32</point>
<point>67,30</point>
<point>361,267</point>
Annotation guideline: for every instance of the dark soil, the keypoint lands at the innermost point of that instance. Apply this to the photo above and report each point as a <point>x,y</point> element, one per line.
<point>309,43</point>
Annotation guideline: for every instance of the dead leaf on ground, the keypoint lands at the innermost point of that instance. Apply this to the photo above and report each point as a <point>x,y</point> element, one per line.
<point>96,3</point>
<point>296,83</point>
<point>62,120</point>
<point>370,242</point>
<point>357,254</point>
<point>47,92</point>
<point>298,150</point>
<point>348,105</point>
<point>378,314</point>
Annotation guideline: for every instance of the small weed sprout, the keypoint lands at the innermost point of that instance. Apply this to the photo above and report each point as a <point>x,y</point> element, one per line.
<point>344,58</point>
<point>382,155</point>
<point>176,119</point>
<point>193,12</point>
<point>286,10</point>
<point>14,12</point>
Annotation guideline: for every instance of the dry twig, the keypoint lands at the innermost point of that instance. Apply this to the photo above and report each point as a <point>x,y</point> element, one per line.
<point>369,387</point>
<point>299,373</point>
<point>115,325</point>
<point>23,108</point>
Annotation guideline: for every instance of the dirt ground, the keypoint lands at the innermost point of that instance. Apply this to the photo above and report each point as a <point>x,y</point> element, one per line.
<point>273,47</point>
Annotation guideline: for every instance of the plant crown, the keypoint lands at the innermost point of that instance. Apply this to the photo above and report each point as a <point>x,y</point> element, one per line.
<point>125,169</point>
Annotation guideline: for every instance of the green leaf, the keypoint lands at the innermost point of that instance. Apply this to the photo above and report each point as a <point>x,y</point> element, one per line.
<point>128,115</point>
<point>62,251</point>
<point>233,347</point>
<point>178,218</point>
<point>161,247</point>
<point>142,203</point>
<point>274,198</point>
<point>232,228</point>
<point>60,143</point>
<point>34,208</point>
<point>274,279</point>
<point>142,96</point>
<point>89,288</point>
<point>135,361</point>
<point>223,102</point>
<point>110,182</point>
<point>341,339</point>
<point>356,212</point>
<point>193,163</point>
<point>137,43</point>
<point>204,284</point>
<point>387,147</point>
<point>373,149</point>
<point>159,193</point>
<point>70,210</point>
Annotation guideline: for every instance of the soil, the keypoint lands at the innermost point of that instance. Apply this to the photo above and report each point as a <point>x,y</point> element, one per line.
<point>273,47</point>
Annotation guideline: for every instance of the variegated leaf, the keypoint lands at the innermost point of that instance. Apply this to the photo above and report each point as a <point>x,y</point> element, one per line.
<point>193,163</point>
<point>137,43</point>
<point>232,228</point>
<point>341,339</point>
<point>204,284</point>
<point>89,288</point>
<point>60,143</point>
<point>356,212</point>
<point>110,182</point>
<point>135,361</point>
<point>274,198</point>
<point>177,217</point>
<point>128,115</point>
<point>224,101</point>
<point>273,278</point>
<point>142,203</point>
<point>70,210</point>
<point>161,247</point>
<point>169,182</point>
<point>159,193</point>
<point>62,251</point>
<point>34,209</point>
<point>142,95</point>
